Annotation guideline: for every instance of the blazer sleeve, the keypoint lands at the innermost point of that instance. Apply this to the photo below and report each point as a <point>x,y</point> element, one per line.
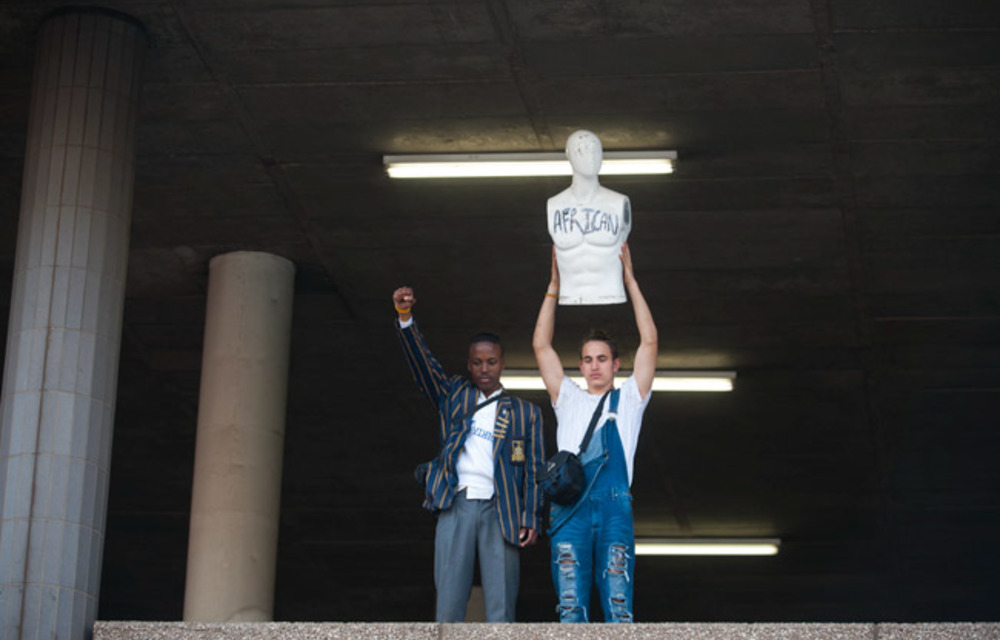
<point>427,372</point>
<point>534,499</point>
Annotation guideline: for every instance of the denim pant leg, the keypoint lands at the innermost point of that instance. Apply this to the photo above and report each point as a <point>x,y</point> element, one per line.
<point>573,565</point>
<point>499,566</point>
<point>615,558</point>
<point>454,558</point>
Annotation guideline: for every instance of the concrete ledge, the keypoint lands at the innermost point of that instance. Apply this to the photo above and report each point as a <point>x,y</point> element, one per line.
<point>115,630</point>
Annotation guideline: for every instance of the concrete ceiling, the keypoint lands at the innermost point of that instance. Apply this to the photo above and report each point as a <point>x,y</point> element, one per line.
<point>832,234</point>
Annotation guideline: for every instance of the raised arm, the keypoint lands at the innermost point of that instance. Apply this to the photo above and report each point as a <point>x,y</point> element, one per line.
<point>644,367</point>
<point>549,365</point>
<point>427,371</point>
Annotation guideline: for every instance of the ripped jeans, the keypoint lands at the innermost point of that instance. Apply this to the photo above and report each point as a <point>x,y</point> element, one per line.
<point>596,545</point>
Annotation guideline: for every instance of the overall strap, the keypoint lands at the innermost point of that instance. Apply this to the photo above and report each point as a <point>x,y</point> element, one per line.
<point>593,421</point>
<point>613,407</point>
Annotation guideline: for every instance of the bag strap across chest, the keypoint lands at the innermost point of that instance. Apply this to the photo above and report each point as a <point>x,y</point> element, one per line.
<point>476,408</point>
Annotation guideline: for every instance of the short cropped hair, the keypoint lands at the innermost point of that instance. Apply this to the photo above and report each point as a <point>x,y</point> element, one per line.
<point>485,336</point>
<point>597,335</point>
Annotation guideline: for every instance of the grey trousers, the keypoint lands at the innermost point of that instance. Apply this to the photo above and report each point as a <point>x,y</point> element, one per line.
<point>467,527</point>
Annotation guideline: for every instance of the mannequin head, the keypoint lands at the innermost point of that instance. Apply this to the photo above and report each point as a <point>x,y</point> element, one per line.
<point>584,152</point>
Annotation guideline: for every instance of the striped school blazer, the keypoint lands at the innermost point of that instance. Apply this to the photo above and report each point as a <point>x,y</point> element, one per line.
<point>518,442</point>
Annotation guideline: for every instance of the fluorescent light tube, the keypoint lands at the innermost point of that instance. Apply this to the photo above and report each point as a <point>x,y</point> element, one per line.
<point>503,165</point>
<point>528,379</point>
<point>707,546</point>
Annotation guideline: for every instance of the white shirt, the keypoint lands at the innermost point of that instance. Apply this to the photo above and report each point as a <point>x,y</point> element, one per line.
<point>475,461</point>
<point>575,407</point>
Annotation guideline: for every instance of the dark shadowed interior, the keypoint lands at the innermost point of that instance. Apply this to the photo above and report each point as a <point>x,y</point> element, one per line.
<point>831,233</point>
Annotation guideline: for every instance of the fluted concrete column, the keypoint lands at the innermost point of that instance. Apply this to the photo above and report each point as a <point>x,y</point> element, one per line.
<point>60,372</point>
<point>241,429</point>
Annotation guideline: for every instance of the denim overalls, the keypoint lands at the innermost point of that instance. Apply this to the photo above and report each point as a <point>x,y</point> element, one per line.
<point>595,534</point>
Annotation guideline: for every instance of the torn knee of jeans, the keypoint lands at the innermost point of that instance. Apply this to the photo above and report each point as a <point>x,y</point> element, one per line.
<point>618,560</point>
<point>567,554</point>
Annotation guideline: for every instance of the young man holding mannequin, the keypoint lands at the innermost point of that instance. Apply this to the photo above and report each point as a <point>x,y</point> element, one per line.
<point>593,539</point>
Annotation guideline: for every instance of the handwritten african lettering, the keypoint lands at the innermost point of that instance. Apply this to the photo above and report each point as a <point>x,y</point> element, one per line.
<point>585,220</point>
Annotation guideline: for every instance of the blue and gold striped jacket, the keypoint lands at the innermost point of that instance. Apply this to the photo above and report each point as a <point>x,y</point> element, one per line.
<point>518,441</point>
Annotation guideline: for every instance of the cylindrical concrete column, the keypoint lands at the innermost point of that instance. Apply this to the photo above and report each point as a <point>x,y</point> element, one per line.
<point>61,367</point>
<point>241,429</point>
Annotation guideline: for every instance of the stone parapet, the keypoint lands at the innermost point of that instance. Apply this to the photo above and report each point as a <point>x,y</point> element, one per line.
<point>124,630</point>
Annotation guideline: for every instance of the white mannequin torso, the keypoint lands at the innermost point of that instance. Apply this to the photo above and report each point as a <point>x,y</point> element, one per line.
<point>588,231</point>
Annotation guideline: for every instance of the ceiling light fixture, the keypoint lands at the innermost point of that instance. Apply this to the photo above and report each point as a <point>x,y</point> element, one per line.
<point>664,380</point>
<point>707,546</point>
<point>504,165</point>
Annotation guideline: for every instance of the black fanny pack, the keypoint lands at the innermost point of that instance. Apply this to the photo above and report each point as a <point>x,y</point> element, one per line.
<point>561,478</point>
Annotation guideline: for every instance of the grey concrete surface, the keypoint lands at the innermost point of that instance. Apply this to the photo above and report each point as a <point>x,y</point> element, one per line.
<point>124,630</point>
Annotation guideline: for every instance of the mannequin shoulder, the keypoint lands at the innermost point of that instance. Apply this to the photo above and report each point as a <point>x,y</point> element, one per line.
<point>562,199</point>
<point>612,196</point>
